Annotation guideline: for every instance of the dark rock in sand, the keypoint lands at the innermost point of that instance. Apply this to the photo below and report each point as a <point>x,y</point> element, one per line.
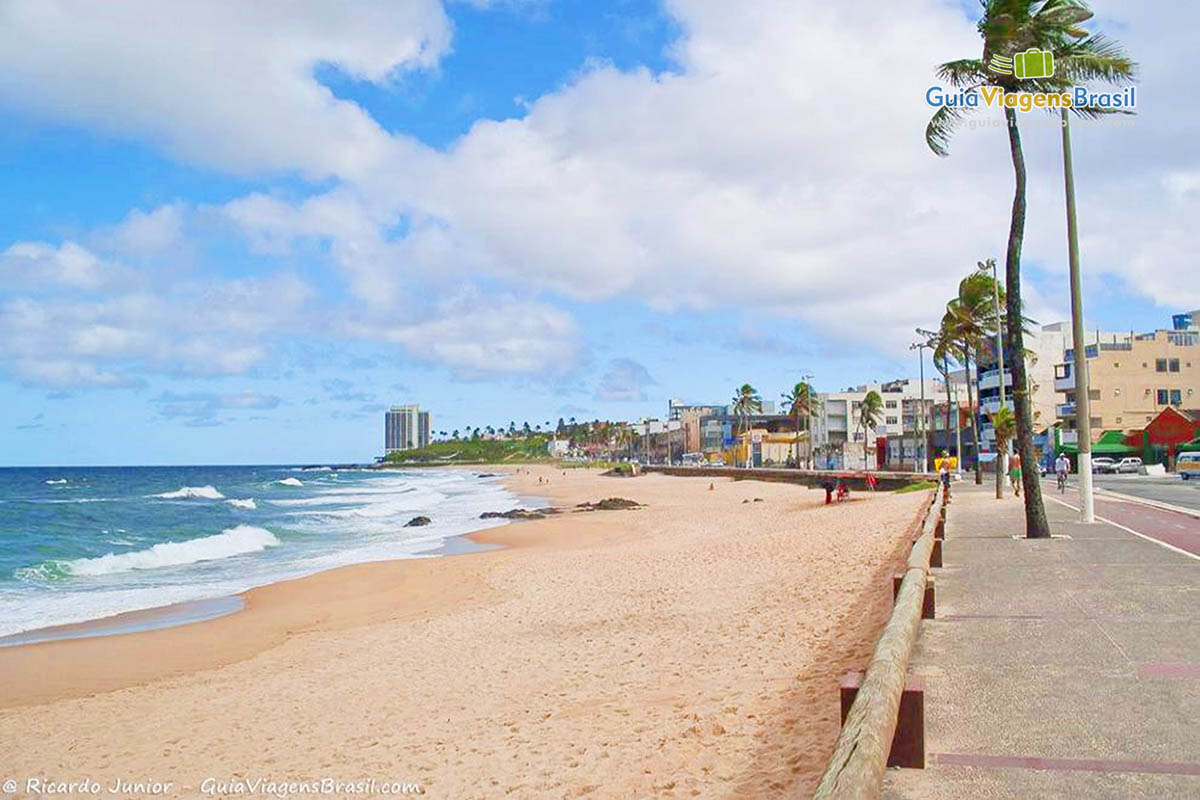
<point>608,504</point>
<point>519,513</point>
<point>417,522</point>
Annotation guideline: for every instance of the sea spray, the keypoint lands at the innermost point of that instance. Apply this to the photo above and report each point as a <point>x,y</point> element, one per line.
<point>192,493</point>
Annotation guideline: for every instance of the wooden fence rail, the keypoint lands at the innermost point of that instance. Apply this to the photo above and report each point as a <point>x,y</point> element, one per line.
<point>859,759</point>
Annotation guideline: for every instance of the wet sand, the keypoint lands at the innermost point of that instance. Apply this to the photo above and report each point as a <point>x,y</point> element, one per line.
<point>689,648</point>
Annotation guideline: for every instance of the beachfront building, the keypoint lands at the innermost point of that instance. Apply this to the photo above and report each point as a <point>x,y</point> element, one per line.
<point>406,428</point>
<point>1132,377</point>
<point>1044,348</point>
<point>838,439</point>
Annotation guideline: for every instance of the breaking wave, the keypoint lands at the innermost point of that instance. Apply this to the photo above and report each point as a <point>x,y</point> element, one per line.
<point>192,493</point>
<point>230,542</point>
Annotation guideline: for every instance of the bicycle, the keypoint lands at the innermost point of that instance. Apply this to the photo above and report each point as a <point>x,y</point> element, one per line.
<point>1062,483</point>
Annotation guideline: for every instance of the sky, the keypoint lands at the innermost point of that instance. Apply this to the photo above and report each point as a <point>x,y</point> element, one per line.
<point>237,232</point>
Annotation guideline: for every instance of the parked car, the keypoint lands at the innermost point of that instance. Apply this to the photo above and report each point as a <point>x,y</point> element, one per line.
<point>1103,465</point>
<point>1188,465</point>
<point>1129,464</point>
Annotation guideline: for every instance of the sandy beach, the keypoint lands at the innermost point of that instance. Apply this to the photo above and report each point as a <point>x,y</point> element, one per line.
<point>690,648</point>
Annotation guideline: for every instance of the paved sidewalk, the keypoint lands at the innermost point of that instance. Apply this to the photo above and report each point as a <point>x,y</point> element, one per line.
<point>1062,668</point>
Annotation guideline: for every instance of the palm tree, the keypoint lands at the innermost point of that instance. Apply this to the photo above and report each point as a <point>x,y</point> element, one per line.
<point>801,402</point>
<point>746,402</point>
<point>1009,27</point>
<point>1004,423</point>
<point>969,321</point>
<point>623,438</point>
<point>869,413</point>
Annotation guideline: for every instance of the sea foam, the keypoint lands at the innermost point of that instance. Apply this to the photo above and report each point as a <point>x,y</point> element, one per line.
<point>192,493</point>
<point>290,482</point>
<point>230,542</point>
<point>248,503</point>
<point>55,482</point>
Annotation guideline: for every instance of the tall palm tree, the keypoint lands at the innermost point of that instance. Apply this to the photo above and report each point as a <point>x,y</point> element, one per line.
<point>801,403</point>
<point>869,413</point>
<point>969,321</point>
<point>746,402</point>
<point>1009,27</point>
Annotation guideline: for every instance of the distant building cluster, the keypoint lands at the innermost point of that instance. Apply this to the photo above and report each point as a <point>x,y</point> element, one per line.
<point>406,428</point>
<point>1144,400</point>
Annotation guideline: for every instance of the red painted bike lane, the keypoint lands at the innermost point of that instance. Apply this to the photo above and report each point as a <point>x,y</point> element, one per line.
<point>1168,527</point>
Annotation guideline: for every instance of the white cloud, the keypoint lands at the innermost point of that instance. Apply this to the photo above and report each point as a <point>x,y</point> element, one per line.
<point>624,380</point>
<point>60,337</point>
<point>202,408</point>
<point>781,169</point>
<point>221,83</point>
<point>479,335</point>
<point>32,264</point>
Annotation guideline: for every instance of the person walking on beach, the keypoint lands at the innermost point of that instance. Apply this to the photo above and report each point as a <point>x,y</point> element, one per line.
<point>1014,474</point>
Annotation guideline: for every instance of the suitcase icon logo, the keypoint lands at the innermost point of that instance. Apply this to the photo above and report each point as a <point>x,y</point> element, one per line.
<point>1033,63</point>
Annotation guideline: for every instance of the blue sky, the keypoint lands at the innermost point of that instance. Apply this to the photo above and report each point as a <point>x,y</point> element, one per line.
<point>240,244</point>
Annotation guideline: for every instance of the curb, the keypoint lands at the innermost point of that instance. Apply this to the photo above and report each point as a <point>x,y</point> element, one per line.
<point>1128,498</point>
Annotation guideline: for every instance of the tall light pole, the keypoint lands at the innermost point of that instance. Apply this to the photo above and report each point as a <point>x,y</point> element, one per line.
<point>922,445</point>
<point>1001,458</point>
<point>1083,420</point>
<point>957,431</point>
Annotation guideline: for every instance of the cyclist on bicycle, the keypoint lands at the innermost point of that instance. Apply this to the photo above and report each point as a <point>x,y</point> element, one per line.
<point>1062,466</point>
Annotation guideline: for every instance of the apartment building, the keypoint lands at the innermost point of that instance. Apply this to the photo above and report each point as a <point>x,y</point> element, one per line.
<point>1132,377</point>
<point>1044,349</point>
<point>406,428</point>
<point>838,438</point>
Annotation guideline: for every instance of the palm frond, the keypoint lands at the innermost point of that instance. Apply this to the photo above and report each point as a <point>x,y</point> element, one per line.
<point>963,73</point>
<point>941,128</point>
<point>1096,58</point>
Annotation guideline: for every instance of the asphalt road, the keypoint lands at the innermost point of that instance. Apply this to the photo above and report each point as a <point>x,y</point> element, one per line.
<point>1165,489</point>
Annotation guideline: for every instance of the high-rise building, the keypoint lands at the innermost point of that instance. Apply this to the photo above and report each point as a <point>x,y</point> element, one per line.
<point>406,428</point>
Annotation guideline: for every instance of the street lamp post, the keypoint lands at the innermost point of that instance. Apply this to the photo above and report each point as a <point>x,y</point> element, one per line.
<point>1083,420</point>
<point>922,446</point>
<point>1001,458</point>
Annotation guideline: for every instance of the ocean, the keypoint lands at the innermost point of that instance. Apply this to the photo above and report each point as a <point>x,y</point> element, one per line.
<point>79,544</point>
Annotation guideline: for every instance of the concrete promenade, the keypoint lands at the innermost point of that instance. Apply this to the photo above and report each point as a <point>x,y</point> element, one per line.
<point>1062,668</point>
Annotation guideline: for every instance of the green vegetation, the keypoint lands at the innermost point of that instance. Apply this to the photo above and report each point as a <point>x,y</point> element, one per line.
<point>477,451</point>
<point>870,414</point>
<point>916,487</point>
<point>802,403</point>
<point>746,403</point>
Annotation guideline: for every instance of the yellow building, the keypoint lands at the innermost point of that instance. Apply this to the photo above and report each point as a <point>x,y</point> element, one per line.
<point>771,449</point>
<point>1131,378</point>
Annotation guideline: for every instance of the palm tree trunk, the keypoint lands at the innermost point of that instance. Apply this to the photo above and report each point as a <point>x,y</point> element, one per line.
<point>974,419</point>
<point>1036,525</point>
<point>796,425</point>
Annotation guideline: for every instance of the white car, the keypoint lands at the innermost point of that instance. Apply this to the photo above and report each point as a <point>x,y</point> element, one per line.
<point>1129,464</point>
<point>1102,465</point>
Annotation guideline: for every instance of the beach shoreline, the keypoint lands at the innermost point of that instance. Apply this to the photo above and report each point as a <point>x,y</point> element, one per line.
<point>674,578</point>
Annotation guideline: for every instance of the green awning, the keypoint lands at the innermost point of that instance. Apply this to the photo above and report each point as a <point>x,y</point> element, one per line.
<point>1112,437</point>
